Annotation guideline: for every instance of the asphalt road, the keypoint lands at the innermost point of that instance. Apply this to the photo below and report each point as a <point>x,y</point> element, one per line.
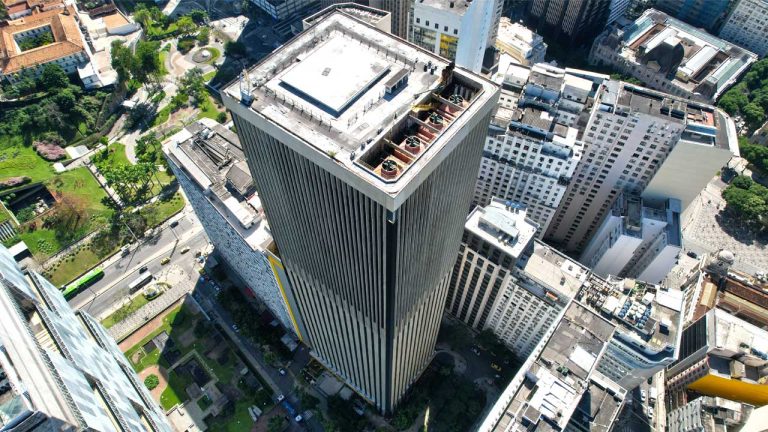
<point>113,286</point>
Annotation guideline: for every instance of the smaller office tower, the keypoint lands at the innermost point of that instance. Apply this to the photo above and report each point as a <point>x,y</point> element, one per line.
<point>379,18</point>
<point>745,26</point>
<point>534,145</point>
<point>706,14</point>
<point>364,150</point>
<point>400,10</point>
<point>533,296</point>
<point>669,55</point>
<point>572,21</point>
<point>522,44</point>
<point>495,237</point>
<point>636,241</point>
<point>208,162</point>
<point>59,369</point>
<point>720,356</point>
<point>547,392</point>
<point>459,30</point>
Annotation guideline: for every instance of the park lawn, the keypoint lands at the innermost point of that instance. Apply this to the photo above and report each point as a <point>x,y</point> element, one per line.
<point>176,316</point>
<point>18,160</point>
<point>81,183</point>
<point>239,421</point>
<point>116,155</point>
<point>160,210</point>
<point>162,116</point>
<point>132,306</point>
<point>169,398</point>
<point>209,76</point>
<point>73,266</point>
<point>208,109</point>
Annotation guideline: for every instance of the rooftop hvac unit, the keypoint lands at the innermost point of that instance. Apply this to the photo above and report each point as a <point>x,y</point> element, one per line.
<point>413,144</point>
<point>436,118</point>
<point>389,169</point>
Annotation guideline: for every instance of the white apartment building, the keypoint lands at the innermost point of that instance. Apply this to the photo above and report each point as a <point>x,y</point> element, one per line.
<point>669,55</point>
<point>747,26</point>
<point>494,239</point>
<point>59,369</point>
<point>533,145</point>
<point>459,30</point>
<point>636,241</point>
<point>533,297</point>
<point>640,141</point>
<point>210,166</point>
<point>520,42</point>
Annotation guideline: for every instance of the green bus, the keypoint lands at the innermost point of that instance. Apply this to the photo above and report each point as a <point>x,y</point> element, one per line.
<point>83,282</point>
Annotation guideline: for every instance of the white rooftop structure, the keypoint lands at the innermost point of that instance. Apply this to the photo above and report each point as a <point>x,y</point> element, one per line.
<point>503,224</point>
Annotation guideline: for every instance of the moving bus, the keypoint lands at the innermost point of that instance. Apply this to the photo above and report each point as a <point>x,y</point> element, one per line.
<point>82,282</point>
<point>139,282</point>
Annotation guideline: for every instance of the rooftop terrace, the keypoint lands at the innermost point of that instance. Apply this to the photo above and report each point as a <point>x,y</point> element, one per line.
<point>379,107</point>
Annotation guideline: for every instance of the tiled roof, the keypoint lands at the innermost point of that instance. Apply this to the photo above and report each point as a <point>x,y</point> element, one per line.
<point>67,40</point>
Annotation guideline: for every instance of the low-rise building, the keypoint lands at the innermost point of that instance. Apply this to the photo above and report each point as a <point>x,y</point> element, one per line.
<point>521,43</point>
<point>709,414</point>
<point>562,370</point>
<point>210,166</point>
<point>59,369</point>
<point>669,55</point>
<point>746,26</point>
<point>636,241</point>
<point>720,356</point>
<point>25,47</point>
<point>19,8</point>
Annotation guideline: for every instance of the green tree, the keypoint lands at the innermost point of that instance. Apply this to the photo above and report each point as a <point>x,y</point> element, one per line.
<point>151,381</point>
<point>146,64</point>
<point>204,36</point>
<point>185,25</point>
<point>143,17</point>
<point>234,48</point>
<point>276,424</point>
<point>744,203</point>
<point>53,77</point>
<point>734,100</point>
<point>198,15</point>
<point>193,84</point>
<point>754,115</point>
<point>742,182</point>
<point>122,61</point>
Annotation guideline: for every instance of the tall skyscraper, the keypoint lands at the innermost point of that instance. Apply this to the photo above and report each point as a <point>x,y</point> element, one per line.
<point>573,21</point>
<point>364,150</point>
<point>59,369</point>
<point>706,14</point>
<point>400,10</point>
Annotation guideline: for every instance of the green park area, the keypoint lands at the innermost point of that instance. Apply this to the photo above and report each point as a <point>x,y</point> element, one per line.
<point>195,352</point>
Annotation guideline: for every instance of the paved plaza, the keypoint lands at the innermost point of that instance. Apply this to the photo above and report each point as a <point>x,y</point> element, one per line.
<point>709,229</point>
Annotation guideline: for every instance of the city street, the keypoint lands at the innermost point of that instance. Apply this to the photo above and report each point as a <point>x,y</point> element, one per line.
<point>113,286</point>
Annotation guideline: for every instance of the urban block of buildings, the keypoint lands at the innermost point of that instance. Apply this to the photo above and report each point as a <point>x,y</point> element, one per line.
<point>636,241</point>
<point>85,55</point>
<point>67,50</point>
<point>363,149</point>
<point>522,44</point>
<point>669,55</point>
<point>209,164</point>
<point>746,26</point>
<point>643,142</point>
<point>60,369</point>
<point>459,30</point>
<point>550,386</point>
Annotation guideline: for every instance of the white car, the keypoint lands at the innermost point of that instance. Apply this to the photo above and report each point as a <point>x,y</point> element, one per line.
<point>650,412</point>
<point>280,397</point>
<point>298,418</point>
<point>235,327</point>
<point>642,395</point>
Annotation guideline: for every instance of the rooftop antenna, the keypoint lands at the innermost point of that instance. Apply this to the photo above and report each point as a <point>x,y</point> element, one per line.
<point>246,97</point>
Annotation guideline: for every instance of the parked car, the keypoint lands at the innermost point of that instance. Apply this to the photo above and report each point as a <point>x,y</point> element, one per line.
<point>143,269</point>
<point>642,395</point>
<point>165,261</point>
<point>282,371</point>
<point>496,367</point>
<point>174,224</point>
<point>280,397</point>
<point>692,254</point>
<point>235,327</point>
<point>184,250</point>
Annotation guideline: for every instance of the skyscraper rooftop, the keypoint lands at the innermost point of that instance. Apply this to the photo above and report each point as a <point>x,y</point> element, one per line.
<point>378,107</point>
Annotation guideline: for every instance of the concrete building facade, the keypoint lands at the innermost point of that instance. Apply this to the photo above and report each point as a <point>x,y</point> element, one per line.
<point>533,145</point>
<point>209,164</point>
<point>60,369</point>
<point>645,142</point>
<point>495,237</point>
<point>573,21</point>
<point>363,153</point>
<point>746,26</point>
<point>458,30</point>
